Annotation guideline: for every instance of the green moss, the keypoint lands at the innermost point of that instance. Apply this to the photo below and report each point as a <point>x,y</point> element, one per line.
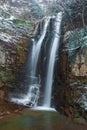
<point>19,22</point>
<point>22,22</point>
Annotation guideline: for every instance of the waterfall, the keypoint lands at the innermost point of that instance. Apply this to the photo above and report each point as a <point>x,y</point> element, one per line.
<point>38,47</point>
<point>50,71</point>
<point>31,98</point>
<point>33,93</point>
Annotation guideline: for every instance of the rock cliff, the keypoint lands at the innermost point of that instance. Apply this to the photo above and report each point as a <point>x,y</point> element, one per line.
<point>14,42</point>
<point>70,93</point>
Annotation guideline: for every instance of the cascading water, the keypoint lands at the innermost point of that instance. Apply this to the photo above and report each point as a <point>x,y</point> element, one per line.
<point>31,98</point>
<point>33,93</point>
<point>51,62</point>
<point>54,48</point>
<point>38,47</point>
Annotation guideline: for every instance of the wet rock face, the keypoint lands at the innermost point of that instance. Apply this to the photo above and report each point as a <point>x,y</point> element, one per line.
<point>14,42</point>
<point>71,90</point>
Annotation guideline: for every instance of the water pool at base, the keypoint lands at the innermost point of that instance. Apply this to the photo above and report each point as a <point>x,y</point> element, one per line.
<point>38,120</point>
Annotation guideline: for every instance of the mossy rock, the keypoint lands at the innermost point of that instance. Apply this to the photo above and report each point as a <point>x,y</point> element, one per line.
<point>22,23</point>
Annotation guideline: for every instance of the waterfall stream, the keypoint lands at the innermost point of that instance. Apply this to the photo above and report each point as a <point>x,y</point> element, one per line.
<point>33,93</point>
<point>31,98</point>
<point>50,71</point>
<point>38,47</point>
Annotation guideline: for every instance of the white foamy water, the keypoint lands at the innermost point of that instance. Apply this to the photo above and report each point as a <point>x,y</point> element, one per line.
<point>50,71</point>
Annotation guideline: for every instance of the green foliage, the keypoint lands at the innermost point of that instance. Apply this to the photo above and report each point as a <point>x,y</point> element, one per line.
<point>19,22</point>
<point>23,23</point>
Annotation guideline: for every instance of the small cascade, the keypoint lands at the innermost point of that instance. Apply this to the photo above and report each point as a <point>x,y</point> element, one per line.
<point>51,63</point>
<point>30,99</point>
<point>32,95</point>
